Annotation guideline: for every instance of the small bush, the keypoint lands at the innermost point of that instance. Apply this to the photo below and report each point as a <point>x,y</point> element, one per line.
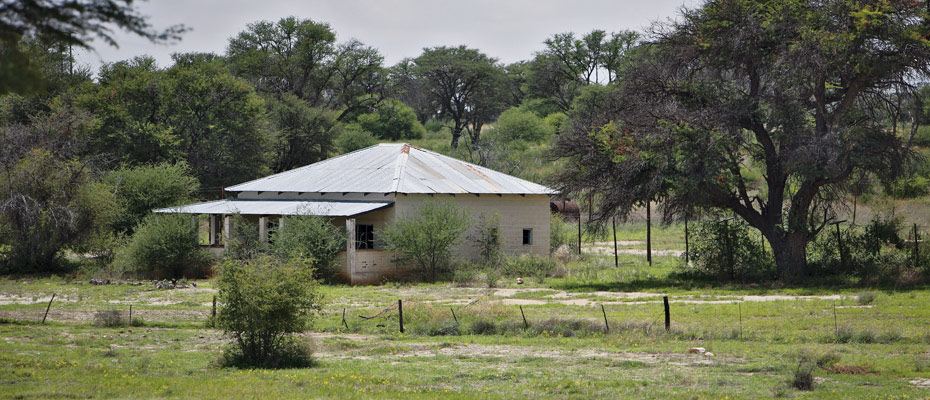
<point>266,300</point>
<point>165,246</point>
<point>244,240</point>
<point>865,298</point>
<point>108,318</point>
<point>310,236</point>
<point>354,138</point>
<point>426,238</point>
<point>727,251</point>
<point>137,322</point>
<point>483,327</point>
<point>561,234</point>
<point>487,240</point>
<point>803,376</point>
<point>527,265</point>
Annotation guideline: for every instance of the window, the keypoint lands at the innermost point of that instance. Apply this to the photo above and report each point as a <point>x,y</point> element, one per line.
<point>364,237</point>
<point>527,236</point>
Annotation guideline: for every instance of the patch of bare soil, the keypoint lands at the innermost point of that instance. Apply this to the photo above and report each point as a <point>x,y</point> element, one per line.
<point>851,369</point>
<point>7,299</point>
<point>635,252</point>
<point>921,382</point>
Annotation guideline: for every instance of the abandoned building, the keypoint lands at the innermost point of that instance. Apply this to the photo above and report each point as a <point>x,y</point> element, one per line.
<point>367,189</point>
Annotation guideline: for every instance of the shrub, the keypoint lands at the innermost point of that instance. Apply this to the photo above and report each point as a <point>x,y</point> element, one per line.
<point>393,120</point>
<point>725,250</point>
<point>865,298</point>
<point>354,138</point>
<point>529,265</point>
<point>141,189</point>
<point>427,237</point>
<point>108,318</point>
<point>310,236</point>
<point>487,240</point>
<point>264,301</point>
<point>165,245</point>
<point>518,125</point>
<point>483,327</point>
<point>244,240</point>
<point>561,233</point>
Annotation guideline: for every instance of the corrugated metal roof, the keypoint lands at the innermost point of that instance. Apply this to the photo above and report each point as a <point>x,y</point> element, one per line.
<point>279,207</point>
<point>393,168</point>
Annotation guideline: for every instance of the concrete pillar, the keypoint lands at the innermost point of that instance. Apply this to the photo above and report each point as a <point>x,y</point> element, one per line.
<point>196,224</point>
<point>263,229</point>
<point>350,248</point>
<point>214,229</point>
<point>227,231</point>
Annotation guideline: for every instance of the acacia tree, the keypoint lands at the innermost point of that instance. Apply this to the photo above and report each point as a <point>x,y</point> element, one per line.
<point>465,84</point>
<point>794,89</point>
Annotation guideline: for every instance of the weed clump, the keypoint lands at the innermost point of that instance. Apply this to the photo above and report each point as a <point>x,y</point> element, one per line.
<point>865,298</point>
<point>108,318</point>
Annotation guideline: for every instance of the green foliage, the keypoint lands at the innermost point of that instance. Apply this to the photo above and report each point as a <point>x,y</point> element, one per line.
<point>487,240</point>
<point>556,120</point>
<point>392,120</point>
<point>194,111</point>
<point>728,251</point>
<point>426,238</point>
<point>312,237</point>
<point>305,134</point>
<point>561,233</point>
<point>165,246</point>
<point>875,254</point>
<point>244,241</point>
<point>526,265</point>
<point>50,200</point>
<point>354,138</point>
<point>517,125</point>
<point>264,301</point>
<point>140,190</point>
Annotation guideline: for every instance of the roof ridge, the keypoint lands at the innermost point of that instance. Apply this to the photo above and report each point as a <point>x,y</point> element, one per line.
<point>401,167</point>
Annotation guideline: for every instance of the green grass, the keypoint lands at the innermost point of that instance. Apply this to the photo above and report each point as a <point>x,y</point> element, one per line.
<point>173,355</point>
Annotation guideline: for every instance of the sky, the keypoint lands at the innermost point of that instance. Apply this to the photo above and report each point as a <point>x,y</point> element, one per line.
<point>509,30</point>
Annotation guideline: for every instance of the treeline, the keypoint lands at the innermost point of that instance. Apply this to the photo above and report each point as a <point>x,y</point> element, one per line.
<point>85,158</point>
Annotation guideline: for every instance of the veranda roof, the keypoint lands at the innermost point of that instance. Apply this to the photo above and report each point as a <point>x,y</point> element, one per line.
<point>279,207</point>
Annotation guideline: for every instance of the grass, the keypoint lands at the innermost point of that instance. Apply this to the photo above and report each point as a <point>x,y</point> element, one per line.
<point>485,351</point>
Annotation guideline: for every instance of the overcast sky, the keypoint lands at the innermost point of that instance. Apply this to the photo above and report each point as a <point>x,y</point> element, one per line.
<point>510,30</point>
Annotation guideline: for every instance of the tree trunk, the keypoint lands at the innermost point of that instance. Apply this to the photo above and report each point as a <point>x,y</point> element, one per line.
<point>456,134</point>
<point>791,256</point>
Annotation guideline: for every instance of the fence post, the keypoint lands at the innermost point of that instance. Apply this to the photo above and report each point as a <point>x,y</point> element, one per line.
<point>453,315</point>
<point>668,316</point>
<point>606,325</point>
<point>47,308</point>
<point>525,324</point>
<point>687,250</point>
<point>613,222</point>
<point>400,313</point>
<point>740,307</point>
<point>346,324</point>
<point>916,247</point>
<point>213,313</point>
<point>130,315</point>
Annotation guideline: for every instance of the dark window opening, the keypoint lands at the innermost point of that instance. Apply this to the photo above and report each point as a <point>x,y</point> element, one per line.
<point>364,237</point>
<point>527,236</point>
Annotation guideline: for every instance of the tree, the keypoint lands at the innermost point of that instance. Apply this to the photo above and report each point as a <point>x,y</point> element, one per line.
<point>301,57</point>
<point>405,85</point>
<point>50,201</point>
<point>266,300</point>
<point>392,121</point>
<point>793,90</point>
<point>195,111</point>
<point>139,190</point>
<point>426,238</point>
<point>69,23</point>
<point>465,84</point>
<point>305,134</point>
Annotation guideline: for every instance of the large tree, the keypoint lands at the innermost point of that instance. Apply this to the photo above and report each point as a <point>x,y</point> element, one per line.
<point>795,90</point>
<point>466,84</point>
<point>67,23</point>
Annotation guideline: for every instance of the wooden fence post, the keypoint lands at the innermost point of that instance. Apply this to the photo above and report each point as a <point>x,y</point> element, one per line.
<point>668,317</point>
<point>606,325</point>
<point>400,313</point>
<point>47,308</point>
<point>525,324</point>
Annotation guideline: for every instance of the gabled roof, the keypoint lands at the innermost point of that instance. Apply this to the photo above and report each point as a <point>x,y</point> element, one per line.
<point>393,168</point>
<point>279,207</point>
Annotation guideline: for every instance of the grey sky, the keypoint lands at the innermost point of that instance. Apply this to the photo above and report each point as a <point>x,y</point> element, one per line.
<point>510,30</point>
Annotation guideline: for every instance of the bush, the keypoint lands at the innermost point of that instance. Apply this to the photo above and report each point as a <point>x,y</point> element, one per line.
<point>141,189</point>
<point>165,246</point>
<point>244,240</point>
<point>487,240</point>
<point>427,237</point>
<point>393,120</point>
<point>561,233</point>
<point>529,265</point>
<point>354,138</point>
<point>265,300</point>
<point>518,125</point>
<point>108,318</point>
<point>725,250</point>
<point>312,237</point>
